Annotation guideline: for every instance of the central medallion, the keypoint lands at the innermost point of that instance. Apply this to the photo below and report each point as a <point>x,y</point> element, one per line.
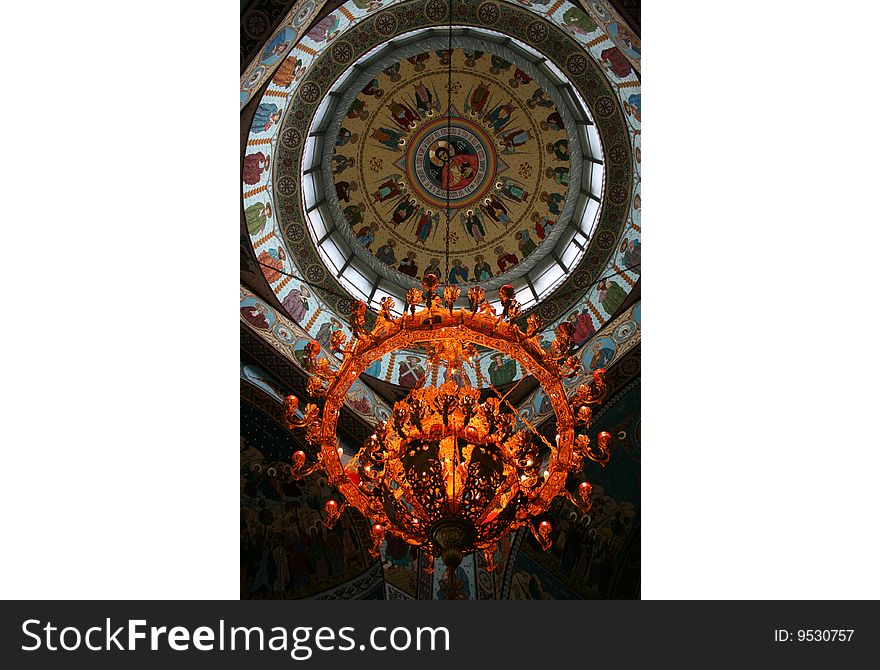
<point>454,158</point>
<point>499,160</point>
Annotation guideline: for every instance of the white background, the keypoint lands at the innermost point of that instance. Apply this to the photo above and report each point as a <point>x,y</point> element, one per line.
<point>120,335</point>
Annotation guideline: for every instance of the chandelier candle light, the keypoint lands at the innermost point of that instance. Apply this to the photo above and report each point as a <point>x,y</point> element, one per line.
<point>447,472</point>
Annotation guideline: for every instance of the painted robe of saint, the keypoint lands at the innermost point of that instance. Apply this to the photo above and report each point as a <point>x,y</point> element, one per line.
<point>514,139</point>
<point>404,209</point>
<point>390,188</point>
<point>411,374</point>
<point>632,255</point>
<point>386,254</point>
<point>582,326</point>
<point>476,103</point>
<point>354,214</point>
<point>611,295</point>
<point>256,315</point>
<point>559,174</point>
<point>256,216</point>
<point>424,99</point>
<point>554,202</point>
<point>553,122</point>
<point>614,60</point>
<point>499,116</point>
<point>473,225</point>
<point>296,303</point>
<point>288,72</point>
<point>458,273</point>
<point>388,138</point>
<point>512,190</point>
<point>274,259</point>
<point>482,269</point>
<point>253,166</point>
<point>495,210</point>
<point>367,235</point>
<point>540,99</point>
<point>403,115</point>
<point>267,115</point>
<point>579,22</point>
<point>425,224</point>
<point>525,243</point>
<point>505,259</point>
<point>501,370</point>
<point>559,149</point>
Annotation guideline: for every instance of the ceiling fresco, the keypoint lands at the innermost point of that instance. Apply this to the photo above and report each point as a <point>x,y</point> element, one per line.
<point>503,157</point>
<point>575,44</point>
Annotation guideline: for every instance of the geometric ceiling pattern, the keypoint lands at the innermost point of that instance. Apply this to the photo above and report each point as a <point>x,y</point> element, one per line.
<point>595,67</point>
<point>505,158</point>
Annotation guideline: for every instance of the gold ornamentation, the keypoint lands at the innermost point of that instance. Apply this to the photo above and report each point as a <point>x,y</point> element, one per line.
<point>447,472</point>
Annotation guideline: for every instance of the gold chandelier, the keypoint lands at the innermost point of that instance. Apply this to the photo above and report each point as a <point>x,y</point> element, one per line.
<point>447,472</point>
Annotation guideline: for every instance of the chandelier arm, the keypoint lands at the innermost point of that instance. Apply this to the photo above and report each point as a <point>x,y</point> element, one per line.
<point>523,419</point>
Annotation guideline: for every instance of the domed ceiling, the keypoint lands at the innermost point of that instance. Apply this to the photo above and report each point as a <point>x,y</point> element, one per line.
<point>350,155</point>
<point>501,158</point>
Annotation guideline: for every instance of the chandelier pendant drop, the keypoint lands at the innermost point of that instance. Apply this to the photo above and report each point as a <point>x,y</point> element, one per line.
<point>448,472</point>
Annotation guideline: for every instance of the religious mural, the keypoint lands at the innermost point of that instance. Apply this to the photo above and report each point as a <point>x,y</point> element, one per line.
<point>286,551</point>
<point>501,158</point>
<point>603,38</point>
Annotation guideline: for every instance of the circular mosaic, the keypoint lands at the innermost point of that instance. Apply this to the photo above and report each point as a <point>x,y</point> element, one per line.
<point>498,165</point>
<point>451,159</point>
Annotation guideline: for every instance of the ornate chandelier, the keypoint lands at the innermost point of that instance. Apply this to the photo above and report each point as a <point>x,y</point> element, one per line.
<point>447,472</point>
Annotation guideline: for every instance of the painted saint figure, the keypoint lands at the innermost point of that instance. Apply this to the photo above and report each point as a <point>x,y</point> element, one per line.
<point>514,139</point>
<point>525,243</point>
<point>611,295</point>
<point>411,374</point>
<point>476,103</point>
<point>540,99</point>
<point>512,190</point>
<point>408,265</point>
<point>385,253</point>
<point>425,224</point>
<point>404,209</point>
<point>253,167</point>
<point>425,100</point>
<point>256,315</point>
<point>256,216</point>
<point>542,224</point>
<point>482,270</point>
<point>272,262</point>
<point>553,122</point>
<point>559,148</point>
<point>403,115</point>
<point>390,188</point>
<point>354,214</point>
<point>554,202</point>
<point>458,273</point>
<point>495,210</point>
<point>505,259</point>
<point>267,115</point>
<point>500,116</point>
<point>390,139</point>
<point>473,225</point>
<point>344,190</point>
<point>367,235</point>
<point>559,174</point>
<point>501,370</point>
<point>341,163</point>
<point>296,303</point>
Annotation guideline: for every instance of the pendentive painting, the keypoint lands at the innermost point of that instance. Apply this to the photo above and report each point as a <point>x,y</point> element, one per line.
<point>440,303</point>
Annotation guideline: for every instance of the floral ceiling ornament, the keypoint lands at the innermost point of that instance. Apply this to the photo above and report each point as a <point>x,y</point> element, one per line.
<point>449,472</point>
